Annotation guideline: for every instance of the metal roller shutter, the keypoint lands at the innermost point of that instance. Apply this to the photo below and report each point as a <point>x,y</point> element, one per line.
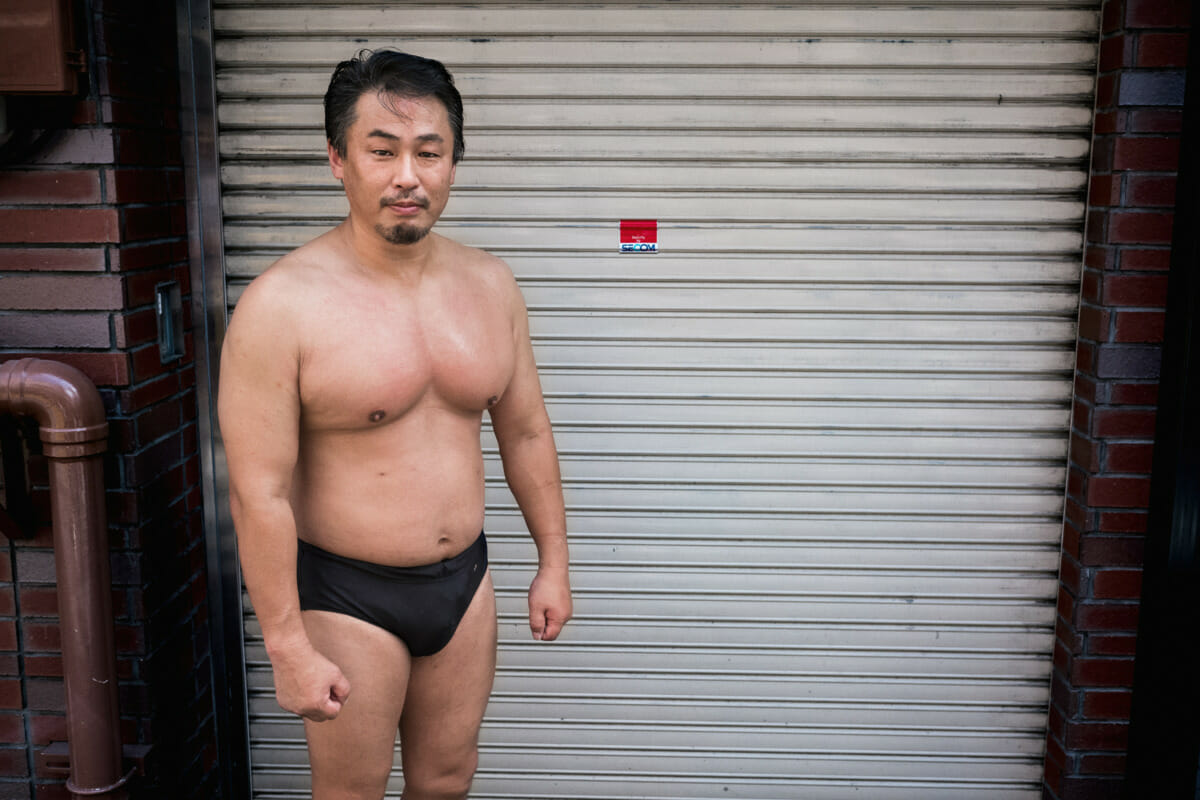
<point>814,449</point>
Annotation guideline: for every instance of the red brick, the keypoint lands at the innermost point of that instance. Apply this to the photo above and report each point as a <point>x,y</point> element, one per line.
<point>1129,457</point>
<point>8,635</point>
<point>1116,52</point>
<point>149,393</point>
<point>1146,153</point>
<point>58,225</point>
<point>149,254</point>
<point>1096,736</point>
<point>62,293</point>
<point>1069,574</point>
<point>1134,394</point>
<point>1112,672</point>
<point>1092,285</point>
<point>1140,326</point>
<point>139,286</point>
<point>1117,584</point>
<point>1155,120</point>
<point>152,222</point>
<point>1097,226</point>
<point>10,693</point>
<point>78,146</point>
<point>1085,361</point>
<point>39,601</point>
<point>1106,617</point>
<point>52,259</point>
<point>1094,323</point>
<point>1111,550</point>
<point>1124,423</point>
<point>1100,257</point>
<point>1087,389</point>
<point>1095,764</point>
<point>1084,453</point>
<point>1147,291</point>
<point>12,729</point>
<point>49,329</point>
<point>1122,522</point>
<point>1108,122</point>
<point>1113,16</point>
<point>1146,259</point>
<point>1140,227</point>
<point>47,728</point>
<point>1106,97</point>
<point>1157,13</point>
<point>1105,190</point>
<point>42,637</point>
<point>43,666</point>
<point>1112,644</point>
<point>136,328</point>
<point>140,186</point>
<point>14,764</point>
<point>150,148</point>
<point>1151,190</point>
<point>50,187</point>
<point>1107,704</point>
<point>1162,50</point>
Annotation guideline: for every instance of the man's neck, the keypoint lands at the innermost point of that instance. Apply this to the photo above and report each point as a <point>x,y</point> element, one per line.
<point>377,255</point>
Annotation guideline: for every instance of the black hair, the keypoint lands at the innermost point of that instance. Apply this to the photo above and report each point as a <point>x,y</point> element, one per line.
<point>388,72</point>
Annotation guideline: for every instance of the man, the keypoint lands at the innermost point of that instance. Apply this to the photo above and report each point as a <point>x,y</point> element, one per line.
<point>354,377</point>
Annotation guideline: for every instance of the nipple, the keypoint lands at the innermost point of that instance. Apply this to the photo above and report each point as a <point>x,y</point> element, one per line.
<point>378,415</point>
<point>493,400</point>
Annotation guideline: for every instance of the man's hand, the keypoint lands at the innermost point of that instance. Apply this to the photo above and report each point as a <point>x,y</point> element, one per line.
<point>549,603</point>
<point>308,684</point>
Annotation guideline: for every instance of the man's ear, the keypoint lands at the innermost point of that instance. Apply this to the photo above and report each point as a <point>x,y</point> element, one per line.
<point>453,170</point>
<point>336,164</point>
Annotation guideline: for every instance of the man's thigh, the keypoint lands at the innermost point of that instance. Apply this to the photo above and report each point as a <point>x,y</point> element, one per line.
<point>352,754</point>
<point>448,693</point>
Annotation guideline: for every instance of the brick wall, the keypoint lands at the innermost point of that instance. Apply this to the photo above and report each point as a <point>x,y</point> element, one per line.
<point>89,225</point>
<point>1143,56</point>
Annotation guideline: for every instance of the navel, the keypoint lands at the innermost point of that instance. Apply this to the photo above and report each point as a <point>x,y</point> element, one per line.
<point>378,415</point>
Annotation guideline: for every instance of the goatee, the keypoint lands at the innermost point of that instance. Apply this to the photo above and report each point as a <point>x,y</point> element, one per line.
<point>402,234</point>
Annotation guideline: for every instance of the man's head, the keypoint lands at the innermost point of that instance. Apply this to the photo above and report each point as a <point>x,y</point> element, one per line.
<point>389,74</point>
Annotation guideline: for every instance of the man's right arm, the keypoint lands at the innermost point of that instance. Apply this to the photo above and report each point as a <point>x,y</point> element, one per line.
<point>259,409</point>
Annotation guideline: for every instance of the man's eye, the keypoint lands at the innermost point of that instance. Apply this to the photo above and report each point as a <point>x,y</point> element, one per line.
<point>381,152</point>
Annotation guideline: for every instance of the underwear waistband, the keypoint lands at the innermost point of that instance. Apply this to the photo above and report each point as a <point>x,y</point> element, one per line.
<point>435,571</point>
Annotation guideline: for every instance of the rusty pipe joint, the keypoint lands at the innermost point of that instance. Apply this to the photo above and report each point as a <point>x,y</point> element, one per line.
<point>74,432</point>
<point>64,402</point>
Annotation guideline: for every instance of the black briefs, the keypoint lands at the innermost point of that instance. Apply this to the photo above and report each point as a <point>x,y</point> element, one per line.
<point>422,605</point>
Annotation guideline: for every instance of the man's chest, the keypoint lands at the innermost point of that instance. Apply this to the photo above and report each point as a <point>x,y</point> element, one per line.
<point>371,365</point>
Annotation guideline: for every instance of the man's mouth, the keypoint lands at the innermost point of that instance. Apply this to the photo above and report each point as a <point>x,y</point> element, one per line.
<point>404,203</point>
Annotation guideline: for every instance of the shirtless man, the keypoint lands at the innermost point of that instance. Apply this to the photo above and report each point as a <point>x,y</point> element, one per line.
<point>354,377</point>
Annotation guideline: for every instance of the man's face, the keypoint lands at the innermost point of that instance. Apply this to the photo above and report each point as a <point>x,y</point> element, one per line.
<point>398,166</point>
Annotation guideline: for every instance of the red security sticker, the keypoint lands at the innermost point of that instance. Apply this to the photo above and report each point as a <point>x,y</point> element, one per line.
<point>639,236</point>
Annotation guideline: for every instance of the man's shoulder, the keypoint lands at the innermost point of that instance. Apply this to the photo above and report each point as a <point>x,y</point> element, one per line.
<point>480,265</point>
<point>289,280</point>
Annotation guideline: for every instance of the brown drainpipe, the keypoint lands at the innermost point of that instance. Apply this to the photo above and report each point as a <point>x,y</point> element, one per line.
<point>74,434</point>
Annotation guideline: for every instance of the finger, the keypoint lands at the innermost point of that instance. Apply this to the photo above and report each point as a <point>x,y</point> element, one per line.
<point>552,630</point>
<point>340,689</point>
<point>537,623</point>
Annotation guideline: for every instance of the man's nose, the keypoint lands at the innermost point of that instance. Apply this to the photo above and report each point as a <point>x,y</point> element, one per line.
<point>405,175</point>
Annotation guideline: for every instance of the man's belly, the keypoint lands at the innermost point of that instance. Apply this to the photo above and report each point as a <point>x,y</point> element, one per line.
<point>398,511</point>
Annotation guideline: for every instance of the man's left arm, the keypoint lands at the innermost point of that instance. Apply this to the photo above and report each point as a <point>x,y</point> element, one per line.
<point>522,429</point>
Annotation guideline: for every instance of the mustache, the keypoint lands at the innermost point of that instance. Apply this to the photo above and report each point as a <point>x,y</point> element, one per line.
<point>423,202</point>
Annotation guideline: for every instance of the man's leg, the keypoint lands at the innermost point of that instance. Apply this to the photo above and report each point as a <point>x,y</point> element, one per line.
<point>447,694</point>
<point>352,754</point>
